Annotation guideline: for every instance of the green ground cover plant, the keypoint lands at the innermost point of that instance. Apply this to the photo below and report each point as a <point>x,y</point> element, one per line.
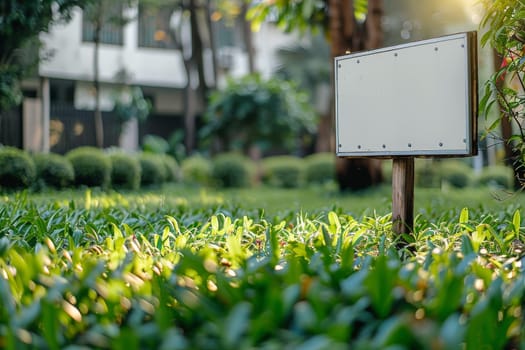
<point>199,269</point>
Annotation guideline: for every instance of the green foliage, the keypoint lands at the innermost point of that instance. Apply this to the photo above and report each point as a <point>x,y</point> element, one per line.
<point>456,173</point>
<point>505,32</point>
<point>426,173</point>
<point>177,149</point>
<point>197,170</point>
<point>53,170</point>
<point>153,169</point>
<point>283,171</point>
<point>92,167</point>
<point>155,144</point>
<point>17,169</point>
<point>125,171</point>
<point>319,168</point>
<point>21,24</point>
<point>106,273</point>
<point>497,176</point>
<point>136,107</point>
<point>252,111</point>
<point>232,170</point>
<point>173,172</point>
<point>297,15</point>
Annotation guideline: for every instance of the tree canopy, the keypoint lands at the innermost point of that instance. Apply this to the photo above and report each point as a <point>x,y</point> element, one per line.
<point>20,24</point>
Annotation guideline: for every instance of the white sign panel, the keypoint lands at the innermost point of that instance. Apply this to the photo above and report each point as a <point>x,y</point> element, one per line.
<point>416,99</point>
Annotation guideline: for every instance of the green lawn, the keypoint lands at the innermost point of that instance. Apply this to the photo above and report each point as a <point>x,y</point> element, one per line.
<point>429,202</point>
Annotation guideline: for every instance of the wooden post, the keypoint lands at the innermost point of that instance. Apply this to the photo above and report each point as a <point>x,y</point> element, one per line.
<point>403,195</point>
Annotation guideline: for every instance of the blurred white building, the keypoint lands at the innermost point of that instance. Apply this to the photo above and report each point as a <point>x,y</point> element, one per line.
<point>58,106</point>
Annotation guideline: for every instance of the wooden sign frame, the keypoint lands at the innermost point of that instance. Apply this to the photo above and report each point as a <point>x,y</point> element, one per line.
<point>413,100</point>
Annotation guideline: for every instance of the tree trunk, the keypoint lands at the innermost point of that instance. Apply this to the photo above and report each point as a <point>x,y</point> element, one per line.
<point>99,128</point>
<point>248,38</point>
<point>213,46</point>
<point>347,35</point>
<point>196,84</point>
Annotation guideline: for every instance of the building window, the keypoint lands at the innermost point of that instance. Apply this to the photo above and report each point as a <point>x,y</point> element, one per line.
<point>154,27</point>
<point>112,24</point>
<point>228,33</point>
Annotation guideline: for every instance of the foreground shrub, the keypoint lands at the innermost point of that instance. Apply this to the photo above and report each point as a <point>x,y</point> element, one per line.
<point>91,165</point>
<point>319,168</point>
<point>456,173</point>
<point>232,170</point>
<point>497,176</point>
<point>153,170</point>
<point>53,170</point>
<point>218,280</point>
<point>196,170</point>
<point>17,169</point>
<point>283,171</point>
<point>125,171</point>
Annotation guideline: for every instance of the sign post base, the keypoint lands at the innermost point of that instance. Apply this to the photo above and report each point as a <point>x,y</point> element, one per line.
<point>403,195</point>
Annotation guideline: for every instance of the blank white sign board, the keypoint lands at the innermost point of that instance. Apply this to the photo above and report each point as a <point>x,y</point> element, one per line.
<point>415,99</point>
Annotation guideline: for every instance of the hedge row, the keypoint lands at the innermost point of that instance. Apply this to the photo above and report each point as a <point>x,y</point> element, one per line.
<point>232,170</point>
<point>92,167</point>
<point>84,166</point>
<point>235,170</point>
<point>457,174</point>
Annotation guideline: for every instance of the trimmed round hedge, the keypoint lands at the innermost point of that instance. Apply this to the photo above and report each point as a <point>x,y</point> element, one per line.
<point>319,168</point>
<point>125,171</point>
<point>426,173</point>
<point>91,165</point>
<point>283,171</point>
<point>456,173</point>
<point>53,170</point>
<point>498,176</point>
<point>172,168</point>
<point>153,170</point>
<point>17,169</point>
<point>196,170</point>
<point>232,170</point>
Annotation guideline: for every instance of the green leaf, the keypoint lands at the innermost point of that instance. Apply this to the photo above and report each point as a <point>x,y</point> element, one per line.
<point>50,324</point>
<point>380,282</point>
<point>516,222</point>
<point>463,216</point>
<point>236,324</point>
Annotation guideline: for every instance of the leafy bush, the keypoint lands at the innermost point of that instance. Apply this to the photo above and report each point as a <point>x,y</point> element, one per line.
<point>320,168</point>
<point>252,111</point>
<point>17,169</point>
<point>232,170</point>
<point>155,144</point>
<point>283,171</point>
<point>172,168</point>
<point>426,173</point>
<point>208,279</point>
<point>53,170</point>
<point>153,170</point>
<point>504,32</point>
<point>125,171</point>
<point>386,169</point>
<point>91,165</point>
<point>498,176</point>
<point>456,173</point>
<point>197,169</point>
